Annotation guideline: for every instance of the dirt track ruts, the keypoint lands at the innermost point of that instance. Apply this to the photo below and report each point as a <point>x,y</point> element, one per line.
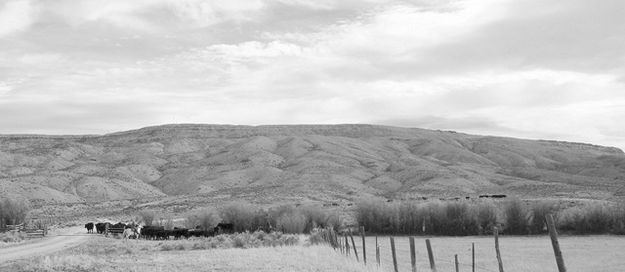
<point>45,246</point>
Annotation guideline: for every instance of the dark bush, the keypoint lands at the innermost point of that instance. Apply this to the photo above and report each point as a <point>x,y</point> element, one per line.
<point>13,212</point>
<point>460,220</point>
<point>316,217</point>
<point>517,219</point>
<point>412,218</point>
<point>377,216</point>
<point>539,210</point>
<point>207,219</point>
<point>486,216</point>
<point>479,218</point>
<point>244,216</point>
<point>293,222</point>
<point>598,219</point>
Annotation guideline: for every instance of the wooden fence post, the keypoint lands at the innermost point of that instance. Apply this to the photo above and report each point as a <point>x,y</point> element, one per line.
<point>340,244</point>
<point>394,253</point>
<point>413,255</point>
<point>554,242</point>
<point>456,261</point>
<point>351,237</point>
<point>472,257</point>
<point>430,255</point>
<point>496,232</point>
<point>377,251</point>
<point>364,247</point>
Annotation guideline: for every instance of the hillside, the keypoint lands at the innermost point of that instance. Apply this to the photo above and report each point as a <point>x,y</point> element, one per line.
<point>328,163</point>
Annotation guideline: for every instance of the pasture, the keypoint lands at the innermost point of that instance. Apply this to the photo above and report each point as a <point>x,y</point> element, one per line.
<point>106,254</point>
<point>283,252</point>
<point>601,253</point>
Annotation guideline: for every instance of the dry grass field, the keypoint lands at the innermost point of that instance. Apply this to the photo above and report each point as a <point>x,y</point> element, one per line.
<point>519,254</point>
<point>106,254</point>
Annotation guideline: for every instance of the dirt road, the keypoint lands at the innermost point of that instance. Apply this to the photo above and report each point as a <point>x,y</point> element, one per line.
<point>53,243</point>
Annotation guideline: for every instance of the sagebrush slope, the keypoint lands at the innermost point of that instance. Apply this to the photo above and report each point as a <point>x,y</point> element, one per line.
<point>322,162</point>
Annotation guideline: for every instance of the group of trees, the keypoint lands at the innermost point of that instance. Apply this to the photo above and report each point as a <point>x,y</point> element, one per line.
<point>458,218</point>
<point>247,217</point>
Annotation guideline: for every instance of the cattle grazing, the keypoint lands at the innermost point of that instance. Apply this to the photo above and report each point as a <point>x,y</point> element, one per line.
<point>180,232</point>
<point>101,227</point>
<point>89,227</point>
<point>119,225</point>
<point>153,232</point>
<point>201,233</point>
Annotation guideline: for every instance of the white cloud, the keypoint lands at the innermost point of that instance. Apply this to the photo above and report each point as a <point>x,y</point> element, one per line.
<point>5,88</point>
<point>16,16</point>
<point>39,59</point>
<point>518,68</point>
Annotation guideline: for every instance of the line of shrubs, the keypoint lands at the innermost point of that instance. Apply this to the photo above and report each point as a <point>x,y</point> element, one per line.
<point>248,217</point>
<point>461,218</point>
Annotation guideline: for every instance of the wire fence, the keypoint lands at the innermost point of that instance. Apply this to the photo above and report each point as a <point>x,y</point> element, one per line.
<point>345,244</point>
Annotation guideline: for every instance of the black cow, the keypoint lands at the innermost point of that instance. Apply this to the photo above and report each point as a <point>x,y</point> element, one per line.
<point>119,225</point>
<point>201,233</point>
<point>100,227</point>
<point>89,227</point>
<point>180,232</point>
<point>224,228</point>
<point>152,232</point>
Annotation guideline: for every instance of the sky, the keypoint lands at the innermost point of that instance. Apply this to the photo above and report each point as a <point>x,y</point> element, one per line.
<point>538,69</point>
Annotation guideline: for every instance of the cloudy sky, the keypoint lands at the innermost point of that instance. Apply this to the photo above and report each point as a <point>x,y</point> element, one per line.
<point>546,69</point>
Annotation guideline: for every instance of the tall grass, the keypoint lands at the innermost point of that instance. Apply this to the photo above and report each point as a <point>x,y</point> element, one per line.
<point>12,237</point>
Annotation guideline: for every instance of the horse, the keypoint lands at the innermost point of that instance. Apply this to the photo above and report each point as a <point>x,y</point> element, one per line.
<point>132,232</point>
<point>128,233</point>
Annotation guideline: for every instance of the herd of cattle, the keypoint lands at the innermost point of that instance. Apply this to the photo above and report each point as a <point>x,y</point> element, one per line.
<point>137,231</point>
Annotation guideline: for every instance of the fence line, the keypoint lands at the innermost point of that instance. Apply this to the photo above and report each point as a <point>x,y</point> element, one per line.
<point>454,262</point>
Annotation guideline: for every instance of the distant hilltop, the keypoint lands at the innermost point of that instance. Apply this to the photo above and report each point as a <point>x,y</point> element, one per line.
<point>308,162</point>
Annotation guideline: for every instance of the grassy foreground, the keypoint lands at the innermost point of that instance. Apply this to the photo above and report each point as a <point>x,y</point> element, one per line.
<point>596,253</point>
<point>105,254</point>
